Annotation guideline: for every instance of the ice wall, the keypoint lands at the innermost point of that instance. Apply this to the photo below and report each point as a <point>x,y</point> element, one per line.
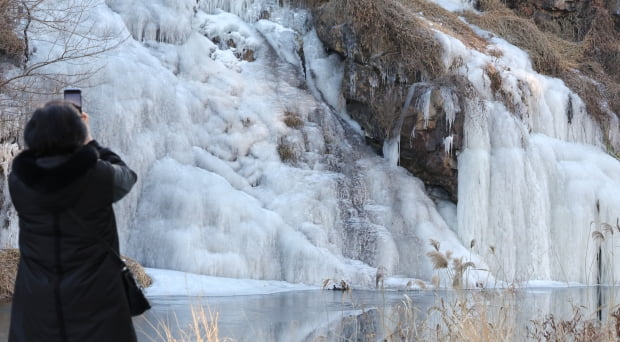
<point>8,235</point>
<point>248,166</point>
<point>534,179</point>
<point>245,169</point>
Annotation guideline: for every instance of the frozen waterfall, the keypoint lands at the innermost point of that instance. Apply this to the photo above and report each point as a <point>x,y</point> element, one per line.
<point>250,167</point>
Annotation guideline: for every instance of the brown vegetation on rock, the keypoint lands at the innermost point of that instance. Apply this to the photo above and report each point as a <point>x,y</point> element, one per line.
<point>602,43</point>
<point>286,151</point>
<point>9,259</point>
<point>523,32</point>
<point>293,120</point>
<point>395,24</point>
<point>580,46</point>
<point>11,46</point>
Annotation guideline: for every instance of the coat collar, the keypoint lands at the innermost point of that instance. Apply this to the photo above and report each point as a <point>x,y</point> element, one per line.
<point>48,175</point>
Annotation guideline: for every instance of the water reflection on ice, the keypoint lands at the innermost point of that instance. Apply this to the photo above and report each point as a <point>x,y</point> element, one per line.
<point>287,316</point>
<point>319,315</point>
<point>322,315</point>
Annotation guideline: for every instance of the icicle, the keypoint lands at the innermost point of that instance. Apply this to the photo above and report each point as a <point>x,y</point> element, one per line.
<point>450,106</point>
<point>151,23</point>
<point>374,83</point>
<point>391,150</point>
<point>391,146</point>
<point>447,144</point>
<point>424,105</point>
<point>248,10</point>
<point>7,152</point>
<point>352,82</point>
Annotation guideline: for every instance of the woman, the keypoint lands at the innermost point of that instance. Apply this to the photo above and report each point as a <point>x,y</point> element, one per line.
<point>68,285</point>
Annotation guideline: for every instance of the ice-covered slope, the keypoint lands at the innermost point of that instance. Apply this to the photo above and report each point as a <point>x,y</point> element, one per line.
<point>246,169</point>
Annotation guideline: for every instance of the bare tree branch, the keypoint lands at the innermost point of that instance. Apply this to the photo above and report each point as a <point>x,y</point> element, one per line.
<point>68,35</point>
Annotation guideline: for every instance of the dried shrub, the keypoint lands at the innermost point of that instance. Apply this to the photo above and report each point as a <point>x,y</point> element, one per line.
<point>571,27</point>
<point>441,262</point>
<point>308,3</point>
<point>390,23</point>
<point>398,23</point>
<point>245,55</point>
<point>592,84</point>
<point>577,328</point>
<point>469,317</point>
<point>496,6</point>
<point>286,152</point>
<point>9,260</point>
<point>602,43</point>
<point>582,48</point>
<point>449,22</point>
<point>543,48</point>
<point>11,45</point>
<point>495,53</point>
<point>438,259</point>
<point>293,120</point>
<point>494,76</point>
<point>142,278</point>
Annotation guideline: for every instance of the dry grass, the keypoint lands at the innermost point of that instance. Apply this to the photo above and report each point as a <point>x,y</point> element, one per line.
<point>494,76</point>
<point>399,24</point>
<point>391,23</point>
<point>448,22</point>
<point>203,328</point>
<point>472,317</point>
<point>286,151</point>
<point>592,84</point>
<point>602,43</point>
<point>9,260</point>
<point>549,54</point>
<point>469,318</point>
<point>293,120</point>
<point>10,44</point>
<point>397,35</point>
<point>441,263</point>
<point>577,328</point>
<point>138,272</point>
<point>438,259</point>
<point>578,48</point>
<point>551,48</point>
<point>307,3</point>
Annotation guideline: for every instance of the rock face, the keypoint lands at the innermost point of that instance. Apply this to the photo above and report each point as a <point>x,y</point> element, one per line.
<point>376,83</point>
<point>381,69</point>
<point>571,19</point>
<point>593,27</point>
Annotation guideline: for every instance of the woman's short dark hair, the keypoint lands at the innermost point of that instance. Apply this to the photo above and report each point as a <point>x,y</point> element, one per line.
<point>54,129</point>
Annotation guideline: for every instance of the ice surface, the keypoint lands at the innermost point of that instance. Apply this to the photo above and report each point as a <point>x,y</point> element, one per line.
<point>175,283</point>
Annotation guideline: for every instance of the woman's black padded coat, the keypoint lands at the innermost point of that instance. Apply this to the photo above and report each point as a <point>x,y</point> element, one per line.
<point>68,286</point>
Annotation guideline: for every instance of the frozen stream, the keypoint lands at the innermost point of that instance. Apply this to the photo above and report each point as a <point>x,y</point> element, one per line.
<point>320,315</point>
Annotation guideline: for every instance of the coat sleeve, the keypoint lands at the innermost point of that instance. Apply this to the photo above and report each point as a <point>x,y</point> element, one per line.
<point>124,177</point>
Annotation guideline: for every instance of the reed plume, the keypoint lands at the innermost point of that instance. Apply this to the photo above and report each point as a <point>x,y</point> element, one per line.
<point>438,259</point>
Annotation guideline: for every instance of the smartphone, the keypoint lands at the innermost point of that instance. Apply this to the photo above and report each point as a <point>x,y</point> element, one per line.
<point>74,96</point>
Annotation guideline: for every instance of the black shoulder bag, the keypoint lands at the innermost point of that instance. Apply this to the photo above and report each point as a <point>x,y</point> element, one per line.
<point>138,303</point>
